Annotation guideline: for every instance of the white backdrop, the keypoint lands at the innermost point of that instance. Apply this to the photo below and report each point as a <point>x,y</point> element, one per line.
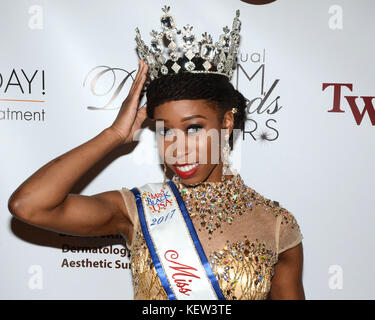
<point>312,153</point>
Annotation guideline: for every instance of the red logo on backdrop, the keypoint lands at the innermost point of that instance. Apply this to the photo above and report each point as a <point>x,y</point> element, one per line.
<point>366,101</point>
<point>182,277</point>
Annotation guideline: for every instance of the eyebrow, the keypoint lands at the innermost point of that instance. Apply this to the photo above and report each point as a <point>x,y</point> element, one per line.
<point>189,117</point>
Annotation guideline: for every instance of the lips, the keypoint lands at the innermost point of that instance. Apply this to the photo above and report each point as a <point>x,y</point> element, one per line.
<point>187,170</point>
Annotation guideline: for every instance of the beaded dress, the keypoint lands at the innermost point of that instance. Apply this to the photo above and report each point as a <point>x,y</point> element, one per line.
<point>241,232</point>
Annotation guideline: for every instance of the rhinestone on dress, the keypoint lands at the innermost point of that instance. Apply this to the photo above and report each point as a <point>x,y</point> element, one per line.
<point>215,203</point>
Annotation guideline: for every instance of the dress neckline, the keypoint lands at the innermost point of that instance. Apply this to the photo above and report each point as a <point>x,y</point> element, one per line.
<point>216,203</point>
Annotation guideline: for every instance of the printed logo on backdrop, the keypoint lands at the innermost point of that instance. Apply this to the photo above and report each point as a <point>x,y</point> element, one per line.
<point>262,100</point>
<point>22,93</point>
<point>108,82</point>
<point>100,252</point>
<point>104,81</point>
<point>360,106</point>
<point>259,129</point>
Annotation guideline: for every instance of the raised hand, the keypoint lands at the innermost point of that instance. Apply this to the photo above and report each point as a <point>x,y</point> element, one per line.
<point>129,119</point>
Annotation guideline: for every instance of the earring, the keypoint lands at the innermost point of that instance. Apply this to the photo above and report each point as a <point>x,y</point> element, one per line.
<point>226,150</point>
<point>165,175</point>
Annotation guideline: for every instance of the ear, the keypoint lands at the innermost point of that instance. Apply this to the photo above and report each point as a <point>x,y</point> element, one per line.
<point>228,121</point>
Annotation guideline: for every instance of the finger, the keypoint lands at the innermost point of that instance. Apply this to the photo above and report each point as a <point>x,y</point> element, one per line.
<point>139,82</point>
<point>139,71</point>
<point>141,115</point>
<point>139,86</point>
<point>142,70</point>
<point>142,107</point>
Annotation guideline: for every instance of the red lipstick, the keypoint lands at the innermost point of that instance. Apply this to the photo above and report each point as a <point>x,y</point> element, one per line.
<point>186,174</point>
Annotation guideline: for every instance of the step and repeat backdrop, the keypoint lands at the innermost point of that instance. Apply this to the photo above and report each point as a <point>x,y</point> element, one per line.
<point>307,69</point>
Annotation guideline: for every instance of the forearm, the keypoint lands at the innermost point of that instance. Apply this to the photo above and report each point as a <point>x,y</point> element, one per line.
<point>48,186</point>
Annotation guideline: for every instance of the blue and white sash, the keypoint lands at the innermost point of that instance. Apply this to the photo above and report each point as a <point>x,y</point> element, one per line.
<point>175,249</point>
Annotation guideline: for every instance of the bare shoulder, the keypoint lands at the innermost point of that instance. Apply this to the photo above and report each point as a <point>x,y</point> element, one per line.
<point>268,206</point>
<point>274,210</point>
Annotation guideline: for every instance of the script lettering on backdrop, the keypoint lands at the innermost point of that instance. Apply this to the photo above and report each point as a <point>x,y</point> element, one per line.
<point>253,84</point>
<point>117,79</point>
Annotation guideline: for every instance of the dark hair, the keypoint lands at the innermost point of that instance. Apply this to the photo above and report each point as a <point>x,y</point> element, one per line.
<point>214,88</point>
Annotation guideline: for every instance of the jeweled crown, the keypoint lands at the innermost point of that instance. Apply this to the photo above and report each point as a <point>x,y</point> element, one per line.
<point>174,50</point>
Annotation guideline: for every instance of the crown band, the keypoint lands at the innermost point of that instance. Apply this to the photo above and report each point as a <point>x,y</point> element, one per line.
<point>174,51</point>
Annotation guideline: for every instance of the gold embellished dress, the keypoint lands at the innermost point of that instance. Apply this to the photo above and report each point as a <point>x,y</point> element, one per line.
<point>241,232</point>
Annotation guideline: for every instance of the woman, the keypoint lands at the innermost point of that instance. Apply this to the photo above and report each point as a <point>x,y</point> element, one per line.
<point>252,245</point>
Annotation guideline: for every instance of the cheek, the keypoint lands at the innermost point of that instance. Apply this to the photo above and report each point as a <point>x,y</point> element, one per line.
<point>198,146</point>
<point>161,145</point>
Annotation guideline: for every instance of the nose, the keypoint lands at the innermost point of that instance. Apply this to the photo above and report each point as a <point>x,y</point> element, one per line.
<point>184,151</point>
<point>181,151</point>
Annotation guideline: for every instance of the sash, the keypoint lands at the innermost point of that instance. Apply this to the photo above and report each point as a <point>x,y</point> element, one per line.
<point>175,249</point>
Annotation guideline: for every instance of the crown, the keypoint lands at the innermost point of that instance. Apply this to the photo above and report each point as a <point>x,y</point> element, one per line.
<point>173,50</point>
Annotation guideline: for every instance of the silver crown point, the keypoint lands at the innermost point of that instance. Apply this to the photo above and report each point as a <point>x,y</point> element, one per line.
<point>173,50</point>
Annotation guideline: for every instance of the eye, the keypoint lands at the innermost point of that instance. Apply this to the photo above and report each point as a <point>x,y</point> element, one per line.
<point>163,131</point>
<point>194,127</point>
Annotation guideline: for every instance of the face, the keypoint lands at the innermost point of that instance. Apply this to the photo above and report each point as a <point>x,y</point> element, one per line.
<point>189,135</point>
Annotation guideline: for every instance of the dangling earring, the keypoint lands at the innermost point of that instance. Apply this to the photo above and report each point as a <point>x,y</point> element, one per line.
<point>165,175</point>
<point>225,159</point>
